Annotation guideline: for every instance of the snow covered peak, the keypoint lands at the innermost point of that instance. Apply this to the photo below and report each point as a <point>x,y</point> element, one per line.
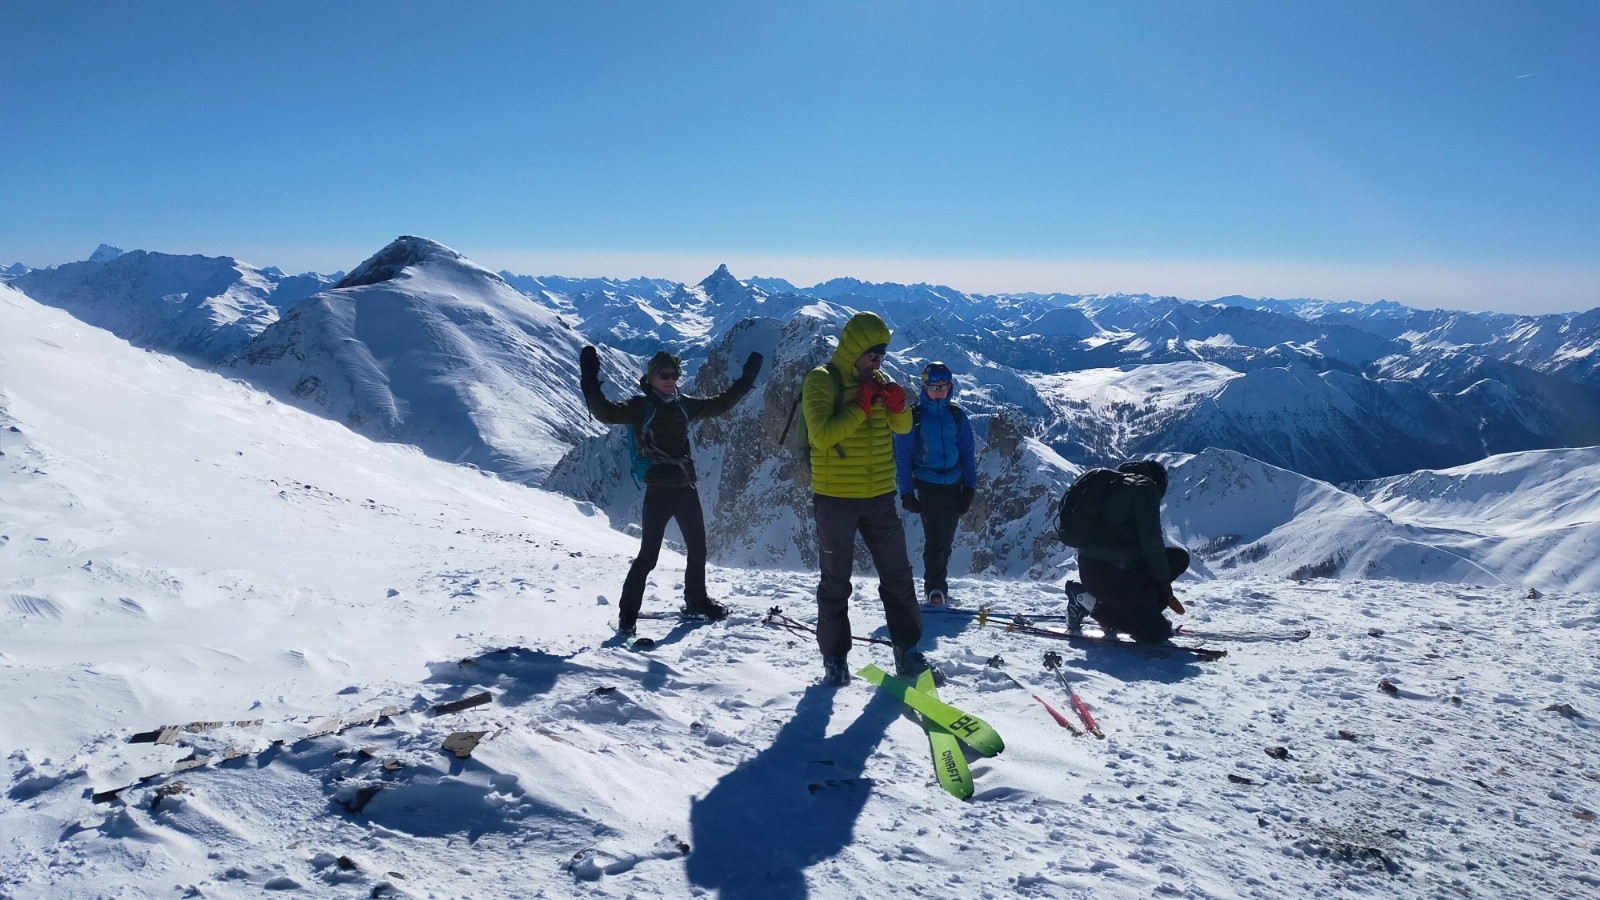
<point>405,252</point>
<point>728,295</point>
<point>105,253</point>
<point>721,277</point>
<point>420,345</point>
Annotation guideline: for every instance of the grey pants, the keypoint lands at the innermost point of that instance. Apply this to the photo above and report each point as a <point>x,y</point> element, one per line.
<point>839,520</point>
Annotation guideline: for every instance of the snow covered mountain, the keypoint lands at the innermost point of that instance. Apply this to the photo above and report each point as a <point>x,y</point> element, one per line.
<point>1336,391</point>
<point>1323,393</point>
<point>233,663</point>
<point>419,345</point>
<point>201,308</point>
<point>1242,516</point>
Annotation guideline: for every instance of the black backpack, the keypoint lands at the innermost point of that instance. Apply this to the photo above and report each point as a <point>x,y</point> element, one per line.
<point>801,445</point>
<point>1080,522</point>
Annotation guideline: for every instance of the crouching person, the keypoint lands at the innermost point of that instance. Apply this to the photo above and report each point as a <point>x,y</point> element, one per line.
<point>1126,567</point>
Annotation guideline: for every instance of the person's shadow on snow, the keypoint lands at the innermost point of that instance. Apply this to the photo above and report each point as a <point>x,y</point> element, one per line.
<point>791,806</point>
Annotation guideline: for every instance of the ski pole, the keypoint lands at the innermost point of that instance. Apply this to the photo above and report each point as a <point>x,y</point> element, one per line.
<point>1052,661</point>
<point>995,662</point>
<point>775,616</point>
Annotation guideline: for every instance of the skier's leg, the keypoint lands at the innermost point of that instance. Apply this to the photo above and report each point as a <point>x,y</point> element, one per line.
<point>1117,592</point>
<point>1142,617</point>
<point>657,511</point>
<point>941,510</point>
<point>836,519</point>
<point>885,538</point>
<point>1177,561</point>
<point>692,522</point>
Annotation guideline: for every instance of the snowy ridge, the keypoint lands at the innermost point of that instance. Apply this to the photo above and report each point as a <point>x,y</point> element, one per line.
<point>202,308</point>
<point>176,547</point>
<point>422,346</point>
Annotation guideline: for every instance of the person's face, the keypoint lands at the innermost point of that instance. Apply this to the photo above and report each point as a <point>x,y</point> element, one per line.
<point>870,361</point>
<point>665,381</point>
<point>937,390</point>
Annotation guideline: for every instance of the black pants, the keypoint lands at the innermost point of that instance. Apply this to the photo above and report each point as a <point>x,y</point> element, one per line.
<point>1130,600</point>
<point>877,520</point>
<point>941,512</point>
<point>661,505</point>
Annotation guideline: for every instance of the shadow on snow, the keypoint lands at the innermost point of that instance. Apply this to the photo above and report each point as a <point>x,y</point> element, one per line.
<point>791,806</point>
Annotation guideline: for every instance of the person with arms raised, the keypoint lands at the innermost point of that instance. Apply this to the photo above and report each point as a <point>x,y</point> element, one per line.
<point>659,418</point>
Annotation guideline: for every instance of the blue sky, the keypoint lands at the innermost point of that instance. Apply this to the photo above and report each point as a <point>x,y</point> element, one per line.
<point>1439,154</point>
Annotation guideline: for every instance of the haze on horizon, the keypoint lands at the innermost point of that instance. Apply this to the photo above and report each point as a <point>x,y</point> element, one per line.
<point>1358,151</point>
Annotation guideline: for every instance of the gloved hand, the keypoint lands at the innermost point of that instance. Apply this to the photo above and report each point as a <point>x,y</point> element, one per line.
<point>965,503</point>
<point>752,368</point>
<point>894,397</point>
<point>589,366</point>
<point>911,503</point>
<point>868,393</point>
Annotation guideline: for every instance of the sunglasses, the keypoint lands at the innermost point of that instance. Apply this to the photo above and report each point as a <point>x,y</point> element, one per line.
<point>667,376</point>
<point>938,385</point>
<point>878,351</point>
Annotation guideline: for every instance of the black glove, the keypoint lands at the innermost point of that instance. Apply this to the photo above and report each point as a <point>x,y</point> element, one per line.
<point>589,366</point>
<point>965,503</point>
<point>911,503</point>
<point>752,368</point>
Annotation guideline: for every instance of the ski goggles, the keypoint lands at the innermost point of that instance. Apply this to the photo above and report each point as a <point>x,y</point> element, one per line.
<point>936,374</point>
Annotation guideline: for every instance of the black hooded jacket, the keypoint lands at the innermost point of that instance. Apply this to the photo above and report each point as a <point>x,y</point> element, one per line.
<point>669,426</point>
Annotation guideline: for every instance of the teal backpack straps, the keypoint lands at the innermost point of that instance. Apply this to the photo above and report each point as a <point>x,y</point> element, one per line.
<point>642,450</point>
<point>639,459</point>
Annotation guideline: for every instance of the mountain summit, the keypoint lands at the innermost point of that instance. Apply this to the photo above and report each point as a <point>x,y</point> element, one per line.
<point>420,345</point>
<point>402,253</point>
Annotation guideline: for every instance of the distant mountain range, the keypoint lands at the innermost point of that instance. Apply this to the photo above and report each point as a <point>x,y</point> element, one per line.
<point>1262,406</point>
<point>202,308</point>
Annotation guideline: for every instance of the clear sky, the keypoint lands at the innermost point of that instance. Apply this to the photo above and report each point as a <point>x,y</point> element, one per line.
<point>1438,154</point>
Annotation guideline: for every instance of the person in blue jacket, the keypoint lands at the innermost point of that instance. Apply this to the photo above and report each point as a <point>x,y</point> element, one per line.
<point>937,474</point>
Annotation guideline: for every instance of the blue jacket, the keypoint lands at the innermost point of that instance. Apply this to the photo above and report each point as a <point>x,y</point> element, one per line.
<point>938,449</point>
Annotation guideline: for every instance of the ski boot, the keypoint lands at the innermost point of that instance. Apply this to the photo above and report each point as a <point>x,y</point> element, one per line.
<point>705,608</point>
<point>909,662</point>
<point>1080,604</point>
<point>836,670</point>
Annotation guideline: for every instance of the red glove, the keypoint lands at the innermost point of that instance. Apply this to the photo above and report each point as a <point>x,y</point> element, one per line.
<point>868,393</point>
<point>894,397</point>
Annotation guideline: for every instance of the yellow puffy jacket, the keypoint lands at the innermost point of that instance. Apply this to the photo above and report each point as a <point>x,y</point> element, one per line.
<point>852,452</point>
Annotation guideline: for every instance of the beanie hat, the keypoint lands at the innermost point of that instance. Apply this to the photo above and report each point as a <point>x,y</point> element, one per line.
<point>662,362</point>
<point>1150,469</point>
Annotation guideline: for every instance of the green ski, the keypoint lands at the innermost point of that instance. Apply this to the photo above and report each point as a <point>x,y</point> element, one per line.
<point>973,731</point>
<point>949,761</point>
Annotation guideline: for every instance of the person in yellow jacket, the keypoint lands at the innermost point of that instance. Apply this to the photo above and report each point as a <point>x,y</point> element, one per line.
<point>852,414</point>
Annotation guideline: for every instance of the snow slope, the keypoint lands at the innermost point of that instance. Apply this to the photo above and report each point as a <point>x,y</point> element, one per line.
<point>419,345</point>
<point>178,548</point>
